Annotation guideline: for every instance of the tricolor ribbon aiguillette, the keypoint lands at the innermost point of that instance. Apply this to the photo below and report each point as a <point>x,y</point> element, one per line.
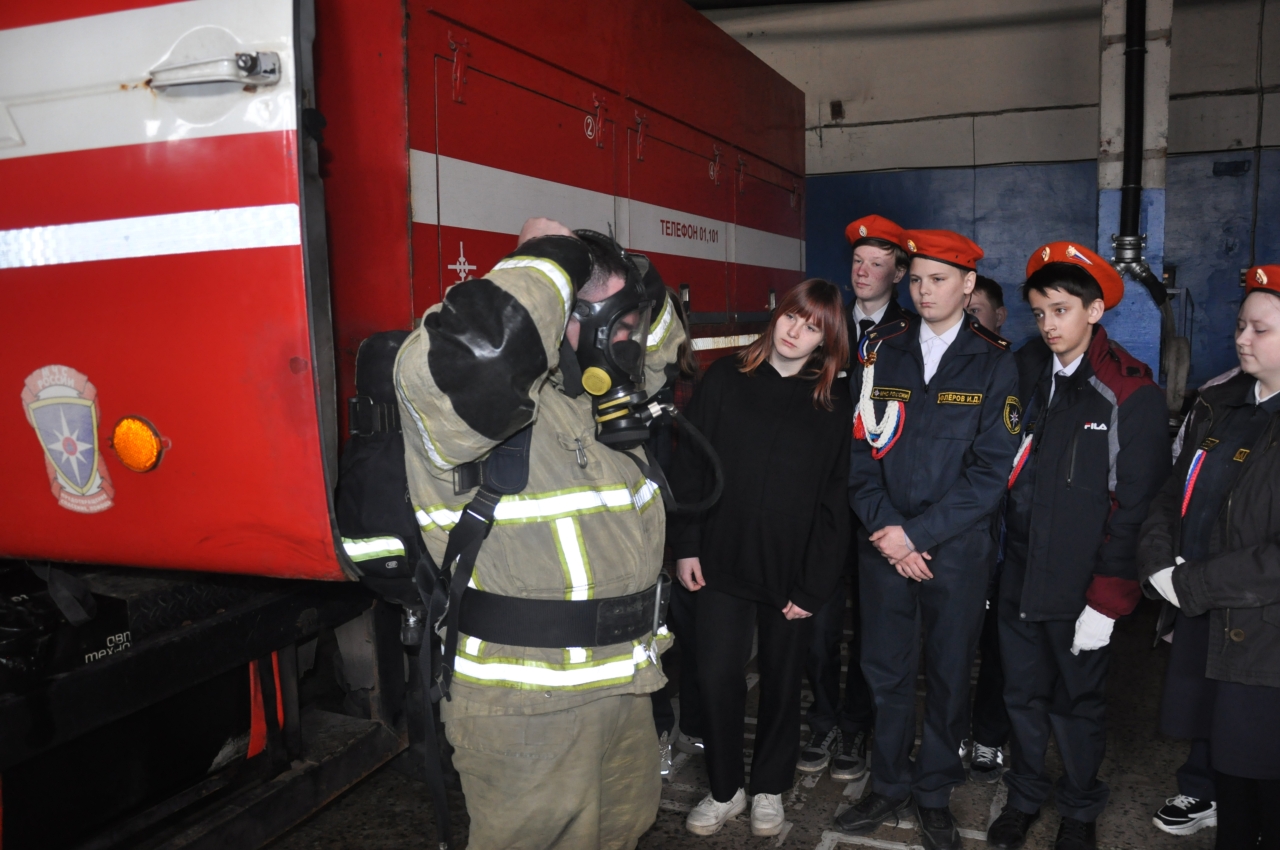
<point>1024,451</point>
<point>881,433</point>
<point>1193,472</point>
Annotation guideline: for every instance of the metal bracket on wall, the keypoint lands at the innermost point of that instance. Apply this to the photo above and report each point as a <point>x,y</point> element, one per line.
<point>713,167</point>
<point>593,126</point>
<point>642,123</point>
<point>795,193</point>
<point>742,175</point>
<point>461,50</point>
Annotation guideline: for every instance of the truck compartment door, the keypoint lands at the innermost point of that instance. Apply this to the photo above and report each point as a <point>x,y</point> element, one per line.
<point>153,264</point>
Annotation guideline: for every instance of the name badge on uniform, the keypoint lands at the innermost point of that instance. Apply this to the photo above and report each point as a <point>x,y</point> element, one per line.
<point>890,394</point>
<point>972,399</point>
<point>1209,442</point>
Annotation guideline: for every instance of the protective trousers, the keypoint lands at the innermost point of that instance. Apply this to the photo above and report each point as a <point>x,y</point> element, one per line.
<point>584,777</point>
<point>1047,689</point>
<point>949,608</point>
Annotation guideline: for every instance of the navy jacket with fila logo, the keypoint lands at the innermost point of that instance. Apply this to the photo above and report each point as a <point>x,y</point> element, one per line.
<point>1098,455</point>
<point>948,468</point>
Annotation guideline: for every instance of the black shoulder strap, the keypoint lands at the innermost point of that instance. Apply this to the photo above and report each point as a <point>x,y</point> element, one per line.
<point>505,473</point>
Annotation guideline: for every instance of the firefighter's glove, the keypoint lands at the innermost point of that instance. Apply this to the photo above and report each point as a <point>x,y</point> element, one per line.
<point>1162,581</point>
<point>1093,631</point>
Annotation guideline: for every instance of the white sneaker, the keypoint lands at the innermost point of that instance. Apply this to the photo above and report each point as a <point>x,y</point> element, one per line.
<point>766,814</point>
<point>707,817</point>
<point>664,755</point>
<point>689,744</point>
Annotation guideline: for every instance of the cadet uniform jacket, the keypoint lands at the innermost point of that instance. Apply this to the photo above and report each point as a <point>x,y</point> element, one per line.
<point>1096,459</point>
<point>1238,584</point>
<point>589,524</point>
<point>949,466</point>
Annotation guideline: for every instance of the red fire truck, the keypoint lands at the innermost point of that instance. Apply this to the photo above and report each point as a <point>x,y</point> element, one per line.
<point>207,205</point>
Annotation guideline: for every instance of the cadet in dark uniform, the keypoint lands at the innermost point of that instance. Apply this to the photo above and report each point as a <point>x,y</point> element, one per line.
<point>838,730</point>
<point>1211,548</point>
<point>936,428</point>
<point>1094,453</point>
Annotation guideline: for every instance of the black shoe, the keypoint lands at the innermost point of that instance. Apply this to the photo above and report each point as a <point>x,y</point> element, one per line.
<point>815,755</point>
<point>1076,835</point>
<point>849,762</point>
<point>1009,830</point>
<point>869,812</point>
<point>987,763</point>
<point>938,829</point>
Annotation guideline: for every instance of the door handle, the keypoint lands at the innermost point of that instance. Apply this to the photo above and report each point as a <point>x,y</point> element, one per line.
<point>257,69</point>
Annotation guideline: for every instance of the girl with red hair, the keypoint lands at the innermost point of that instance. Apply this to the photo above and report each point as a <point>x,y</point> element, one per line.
<point>771,551</point>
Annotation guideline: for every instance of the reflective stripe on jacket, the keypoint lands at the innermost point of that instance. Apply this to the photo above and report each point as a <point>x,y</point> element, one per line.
<point>587,525</point>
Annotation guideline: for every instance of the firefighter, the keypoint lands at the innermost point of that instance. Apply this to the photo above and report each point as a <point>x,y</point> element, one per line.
<point>1093,455</point>
<point>555,745</point>
<point>935,432</point>
<point>838,730</point>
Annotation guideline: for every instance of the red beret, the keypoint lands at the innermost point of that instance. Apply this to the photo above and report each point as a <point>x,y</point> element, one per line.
<point>944,246</point>
<point>876,227</point>
<point>1109,280</point>
<point>1262,277</point>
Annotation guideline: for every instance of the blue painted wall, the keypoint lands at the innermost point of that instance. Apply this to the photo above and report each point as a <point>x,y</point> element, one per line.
<point>1010,210</point>
<point>1207,237</point>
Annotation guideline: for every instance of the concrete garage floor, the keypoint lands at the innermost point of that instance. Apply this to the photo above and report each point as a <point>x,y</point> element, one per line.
<point>389,810</point>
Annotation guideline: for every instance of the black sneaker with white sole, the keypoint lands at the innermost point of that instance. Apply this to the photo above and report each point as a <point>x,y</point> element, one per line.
<point>815,755</point>
<point>849,762</point>
<point>987,763</point>
<point>1183,815</point>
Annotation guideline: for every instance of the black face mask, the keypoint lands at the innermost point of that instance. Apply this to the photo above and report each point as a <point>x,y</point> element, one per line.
<point>612,338</point>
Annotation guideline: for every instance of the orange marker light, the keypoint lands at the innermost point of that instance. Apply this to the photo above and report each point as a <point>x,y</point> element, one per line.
<point>137,443</point>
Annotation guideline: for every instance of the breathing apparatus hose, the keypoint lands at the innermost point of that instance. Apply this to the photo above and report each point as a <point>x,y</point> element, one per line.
<point>648,412</point>
<point>698,437</point>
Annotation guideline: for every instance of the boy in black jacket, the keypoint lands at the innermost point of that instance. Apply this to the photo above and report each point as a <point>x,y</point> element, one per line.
<point>1094,453</point>
<point>934,437</point>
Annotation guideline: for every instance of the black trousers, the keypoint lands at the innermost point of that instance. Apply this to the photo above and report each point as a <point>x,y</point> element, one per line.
<point>1049,690</point>
<point>990,718</point>
<point>826,712</point>
<point>725,625</point>
<point>948,608</point>
<point>680,620</point>
<point>1248,812</point>
<point>1195,777</point>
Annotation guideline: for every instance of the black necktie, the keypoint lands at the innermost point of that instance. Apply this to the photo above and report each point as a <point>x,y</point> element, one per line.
<point>865,325</point>
<point>1059,384</point>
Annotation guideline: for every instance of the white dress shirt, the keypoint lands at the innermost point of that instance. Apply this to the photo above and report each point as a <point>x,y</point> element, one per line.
<point>1066,371</point>
<point>858,316</point>
<point>933,346</point>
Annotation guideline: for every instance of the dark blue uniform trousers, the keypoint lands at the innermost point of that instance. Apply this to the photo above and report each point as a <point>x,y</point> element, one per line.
<point>949,609</point>
<point>1047,689</point>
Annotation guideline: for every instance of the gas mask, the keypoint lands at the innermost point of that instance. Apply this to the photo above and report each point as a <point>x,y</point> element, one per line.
<point>611,346</point>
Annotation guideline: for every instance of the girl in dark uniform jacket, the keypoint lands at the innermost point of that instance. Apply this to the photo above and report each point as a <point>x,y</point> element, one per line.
<point>1211,547</point>
<point>770,552</point>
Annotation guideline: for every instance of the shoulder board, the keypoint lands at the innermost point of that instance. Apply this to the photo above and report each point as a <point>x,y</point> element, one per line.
<point>990,336</point>
<point>875,336</point>
<point>887,329</point>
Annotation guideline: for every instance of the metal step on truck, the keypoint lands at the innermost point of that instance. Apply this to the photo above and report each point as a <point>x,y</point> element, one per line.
<point>205,207</point>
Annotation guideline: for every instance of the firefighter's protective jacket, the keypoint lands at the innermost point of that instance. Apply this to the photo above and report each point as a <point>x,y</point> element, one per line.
<point>483,365</point>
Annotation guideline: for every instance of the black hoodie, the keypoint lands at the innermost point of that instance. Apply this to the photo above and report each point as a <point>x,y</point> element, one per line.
<point>780,530</point>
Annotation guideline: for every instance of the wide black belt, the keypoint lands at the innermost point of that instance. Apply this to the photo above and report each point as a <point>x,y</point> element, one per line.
<point>560,623</point>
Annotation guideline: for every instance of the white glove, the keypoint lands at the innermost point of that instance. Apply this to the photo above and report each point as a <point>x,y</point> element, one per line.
<point>1093,630</point>
<point>1163,583</point>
